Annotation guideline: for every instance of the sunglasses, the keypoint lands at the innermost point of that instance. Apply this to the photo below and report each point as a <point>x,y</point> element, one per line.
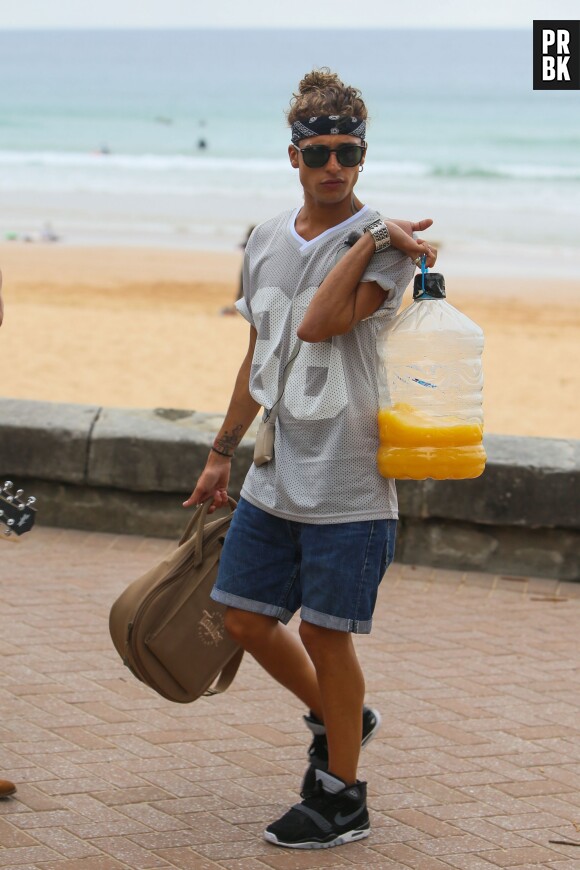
<point>315,156</point>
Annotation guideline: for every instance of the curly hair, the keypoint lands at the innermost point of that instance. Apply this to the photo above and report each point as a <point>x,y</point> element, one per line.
<point>321,92</point>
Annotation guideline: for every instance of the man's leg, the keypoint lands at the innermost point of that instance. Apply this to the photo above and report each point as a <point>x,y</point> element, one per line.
<point>340,570</point>
<point>330,682</point>
<point>260,565</point>
<point>278,652</point>
<point>342,688</point>
<point>336,811</point>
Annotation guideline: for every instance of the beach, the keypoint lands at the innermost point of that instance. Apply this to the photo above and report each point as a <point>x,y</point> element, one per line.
<point>150,183</point>
<point>141,327</point>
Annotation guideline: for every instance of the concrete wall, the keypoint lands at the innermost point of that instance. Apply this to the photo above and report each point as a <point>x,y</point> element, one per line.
<point>128,471</point>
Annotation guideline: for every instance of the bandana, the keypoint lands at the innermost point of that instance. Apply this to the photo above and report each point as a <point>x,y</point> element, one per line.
<point>328,125</point>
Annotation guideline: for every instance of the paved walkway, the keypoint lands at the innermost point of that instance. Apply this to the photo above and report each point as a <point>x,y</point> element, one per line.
<point>477,765</point>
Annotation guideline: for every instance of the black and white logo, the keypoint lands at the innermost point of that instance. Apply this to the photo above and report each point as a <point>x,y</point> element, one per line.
<point>556,55</point>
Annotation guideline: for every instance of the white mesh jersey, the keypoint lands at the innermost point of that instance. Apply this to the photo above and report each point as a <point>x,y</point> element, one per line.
<point>324,467</point>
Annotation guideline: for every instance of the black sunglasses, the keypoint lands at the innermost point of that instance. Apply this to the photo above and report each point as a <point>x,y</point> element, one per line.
<point>315,156</point>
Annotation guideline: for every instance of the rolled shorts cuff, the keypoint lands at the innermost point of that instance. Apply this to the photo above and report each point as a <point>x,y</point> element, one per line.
<point>231,600</point>
<point>338,623</point>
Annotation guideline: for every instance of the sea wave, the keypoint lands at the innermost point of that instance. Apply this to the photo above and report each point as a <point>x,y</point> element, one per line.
<point>135,162</point>
<point>514,171</point>
<point>164,164</point>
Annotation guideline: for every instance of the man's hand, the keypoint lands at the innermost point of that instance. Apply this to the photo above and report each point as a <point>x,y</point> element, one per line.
<point>409,227</point>
<point>212,483</point>
<point>401,233</point>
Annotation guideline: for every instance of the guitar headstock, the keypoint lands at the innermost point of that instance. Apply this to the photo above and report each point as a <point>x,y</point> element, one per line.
<point>17,515</point>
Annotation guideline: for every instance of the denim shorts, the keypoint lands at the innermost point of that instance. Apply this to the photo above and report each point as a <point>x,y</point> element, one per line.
<point>331,573</point>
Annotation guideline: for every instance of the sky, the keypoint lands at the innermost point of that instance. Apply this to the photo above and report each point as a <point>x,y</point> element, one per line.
<point>46,14</point>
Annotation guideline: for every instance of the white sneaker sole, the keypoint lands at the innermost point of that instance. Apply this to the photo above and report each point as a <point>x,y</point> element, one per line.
<point>348,837</point>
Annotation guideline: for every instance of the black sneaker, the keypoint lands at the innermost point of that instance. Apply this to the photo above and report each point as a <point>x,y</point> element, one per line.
<point>318,750</point>
<point>333,815</point>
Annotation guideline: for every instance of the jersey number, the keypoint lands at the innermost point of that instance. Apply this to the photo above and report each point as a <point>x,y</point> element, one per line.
<point>316,388</point>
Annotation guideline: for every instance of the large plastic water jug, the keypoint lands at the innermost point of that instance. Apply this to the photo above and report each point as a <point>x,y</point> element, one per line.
<point>430,389</point>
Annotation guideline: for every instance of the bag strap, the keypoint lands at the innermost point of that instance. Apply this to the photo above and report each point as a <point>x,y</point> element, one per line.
<point>270,415</point>
<point>227,674</point>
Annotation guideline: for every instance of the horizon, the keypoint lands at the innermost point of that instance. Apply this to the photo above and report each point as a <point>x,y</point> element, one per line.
<point>253,26</point>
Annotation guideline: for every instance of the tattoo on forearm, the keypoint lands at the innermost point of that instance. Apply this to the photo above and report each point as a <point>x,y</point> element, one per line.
<point>230,439</point>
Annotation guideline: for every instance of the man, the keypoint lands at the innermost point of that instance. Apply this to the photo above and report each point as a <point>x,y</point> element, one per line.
<point>315,526</point>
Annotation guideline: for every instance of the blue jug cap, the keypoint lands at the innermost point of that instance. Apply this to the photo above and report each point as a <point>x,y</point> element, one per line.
<point>430,285</point>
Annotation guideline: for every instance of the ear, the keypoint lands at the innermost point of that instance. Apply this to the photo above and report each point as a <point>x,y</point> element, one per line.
<point>293,155</point>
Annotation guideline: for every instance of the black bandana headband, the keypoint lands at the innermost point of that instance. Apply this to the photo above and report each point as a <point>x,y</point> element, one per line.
<point>328,125</point>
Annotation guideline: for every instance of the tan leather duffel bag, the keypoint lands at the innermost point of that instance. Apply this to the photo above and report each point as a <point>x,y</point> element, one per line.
<point>165,626</point>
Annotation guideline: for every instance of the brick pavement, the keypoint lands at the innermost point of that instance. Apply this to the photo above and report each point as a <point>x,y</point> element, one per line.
<point>477,765</point>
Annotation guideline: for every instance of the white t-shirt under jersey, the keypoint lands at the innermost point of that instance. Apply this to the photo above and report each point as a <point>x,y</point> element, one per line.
<point>324,466</point>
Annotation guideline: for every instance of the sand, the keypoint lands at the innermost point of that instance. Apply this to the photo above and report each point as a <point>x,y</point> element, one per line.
<point>134,327</point>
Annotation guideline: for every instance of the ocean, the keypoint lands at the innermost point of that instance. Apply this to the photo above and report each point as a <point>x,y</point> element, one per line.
<point>178,138</point>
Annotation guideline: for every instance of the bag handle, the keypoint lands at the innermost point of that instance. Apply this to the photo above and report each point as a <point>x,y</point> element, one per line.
<point>196,525</point>
<point>227,674</point>
<point>201,509</point>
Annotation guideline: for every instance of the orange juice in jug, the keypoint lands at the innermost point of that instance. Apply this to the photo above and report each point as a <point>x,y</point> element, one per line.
<point>414,445</point>
<point>430,389</point>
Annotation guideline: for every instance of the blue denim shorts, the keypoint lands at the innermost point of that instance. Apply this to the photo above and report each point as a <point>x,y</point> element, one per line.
<point>331,573</point>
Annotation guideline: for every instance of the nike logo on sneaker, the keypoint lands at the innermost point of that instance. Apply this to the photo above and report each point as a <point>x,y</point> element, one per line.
<point>339,819</point>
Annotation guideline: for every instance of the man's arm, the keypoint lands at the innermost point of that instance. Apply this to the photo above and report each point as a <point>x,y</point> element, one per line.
<point>342,301</point>
<point>1,303</point>
<point>213,481</point>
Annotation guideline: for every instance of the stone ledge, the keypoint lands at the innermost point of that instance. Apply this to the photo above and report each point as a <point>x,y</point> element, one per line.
<point>160,450</point>
<point>495,549</point>
<point>141,450</point>
<point>527,482</point>
<point>45,439</point>
<point>128,470</point>
<point>105,509</point>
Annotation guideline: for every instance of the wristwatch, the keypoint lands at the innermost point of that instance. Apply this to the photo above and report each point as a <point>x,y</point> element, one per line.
<point>380,233</point>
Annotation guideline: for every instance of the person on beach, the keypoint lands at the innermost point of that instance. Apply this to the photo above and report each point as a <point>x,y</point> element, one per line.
<point>315,527</point>
<point>231,309</point>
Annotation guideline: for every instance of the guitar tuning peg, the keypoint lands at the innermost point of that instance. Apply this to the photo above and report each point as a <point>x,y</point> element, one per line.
<point>10,523</point>
<point>7,533</point>
<point>9,499</point>
<point>8,485</point>
<point>30,501</point>
<point>19,493</point>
